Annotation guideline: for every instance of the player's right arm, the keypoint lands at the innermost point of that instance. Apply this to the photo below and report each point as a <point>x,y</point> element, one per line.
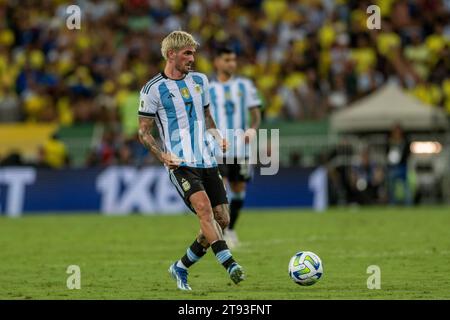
<point>148,107</point>
<point>146,138</point>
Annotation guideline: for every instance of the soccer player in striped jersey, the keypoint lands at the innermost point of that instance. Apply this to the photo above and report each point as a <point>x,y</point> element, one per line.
<point>233,100</point>
<point>177,100</point>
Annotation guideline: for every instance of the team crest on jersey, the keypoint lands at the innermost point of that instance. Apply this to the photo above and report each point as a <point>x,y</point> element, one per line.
<point>185,184</point>
<point>185,93</point>
<point>198,89</point>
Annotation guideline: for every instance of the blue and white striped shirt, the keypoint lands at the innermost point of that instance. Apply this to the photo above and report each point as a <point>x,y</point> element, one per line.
<point>230,102</point>
<point>178,106</point>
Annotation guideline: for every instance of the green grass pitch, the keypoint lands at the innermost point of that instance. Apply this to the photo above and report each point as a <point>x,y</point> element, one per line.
<point>128,257</point>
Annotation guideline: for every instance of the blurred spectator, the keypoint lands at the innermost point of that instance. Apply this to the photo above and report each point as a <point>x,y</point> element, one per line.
<point>13,159</point>
<point>295,159</point>
<point>366,181</point>
<point>124,156</point>
<point>54,153</point>
<point>338,97</point>
<point>41,162</point>
<point>106,150</point>
<point>338,164</point>
<point>398,153</point>
<point>9,105</point>
<point>140,154</point>
<point>318,184</point>
<point>92,159</point>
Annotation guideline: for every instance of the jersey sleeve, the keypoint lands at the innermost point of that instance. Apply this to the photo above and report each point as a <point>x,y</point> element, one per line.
<point>206,97</point>
<point>148,104</point>
<point>252,98</point>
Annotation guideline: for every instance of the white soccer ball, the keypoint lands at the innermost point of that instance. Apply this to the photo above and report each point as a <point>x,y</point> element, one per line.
<point>305,268</point>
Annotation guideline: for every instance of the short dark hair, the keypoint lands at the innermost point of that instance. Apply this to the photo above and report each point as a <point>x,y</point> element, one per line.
<point>223,50</point>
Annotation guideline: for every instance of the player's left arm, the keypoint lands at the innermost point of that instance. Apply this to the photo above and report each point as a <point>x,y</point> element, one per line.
<point>253,103</point>
<point>212,129</point>
<point>255,121</point>
<point>255,117</point>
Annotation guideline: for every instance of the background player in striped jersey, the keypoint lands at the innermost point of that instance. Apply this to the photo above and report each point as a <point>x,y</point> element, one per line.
<point>178,101</point>
<point>233,100</point>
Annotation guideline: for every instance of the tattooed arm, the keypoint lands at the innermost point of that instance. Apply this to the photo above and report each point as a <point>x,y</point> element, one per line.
<point>146,138</point>
<point>212,129</point>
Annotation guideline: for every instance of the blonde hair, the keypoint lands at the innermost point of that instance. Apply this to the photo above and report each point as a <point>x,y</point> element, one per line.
<point>177,40</point>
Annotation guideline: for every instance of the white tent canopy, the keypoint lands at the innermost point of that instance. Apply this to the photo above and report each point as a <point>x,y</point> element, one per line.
<point>385,107</point>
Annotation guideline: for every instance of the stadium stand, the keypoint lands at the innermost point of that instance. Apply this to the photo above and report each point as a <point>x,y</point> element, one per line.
<point>24,139</point>
<point>307,58</point>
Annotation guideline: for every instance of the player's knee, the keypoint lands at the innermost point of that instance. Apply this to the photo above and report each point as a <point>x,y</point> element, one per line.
<point>203,209</point>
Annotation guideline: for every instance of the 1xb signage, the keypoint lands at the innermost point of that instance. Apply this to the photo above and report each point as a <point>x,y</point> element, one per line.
<point>13,184</point>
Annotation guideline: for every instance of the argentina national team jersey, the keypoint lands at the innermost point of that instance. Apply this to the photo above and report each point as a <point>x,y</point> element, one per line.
<point>230,102</point>
<point>178,108</point>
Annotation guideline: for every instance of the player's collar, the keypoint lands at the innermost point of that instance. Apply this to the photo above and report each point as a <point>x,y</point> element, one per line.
<point>166,77</point>
<point>228,81</point>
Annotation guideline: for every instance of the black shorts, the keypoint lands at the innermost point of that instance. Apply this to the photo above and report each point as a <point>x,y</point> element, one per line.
<point>236,172</point>
<point>188,181</point>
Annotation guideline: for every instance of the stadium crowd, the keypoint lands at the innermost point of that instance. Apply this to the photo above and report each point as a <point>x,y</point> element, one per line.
<point>307,58</point>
